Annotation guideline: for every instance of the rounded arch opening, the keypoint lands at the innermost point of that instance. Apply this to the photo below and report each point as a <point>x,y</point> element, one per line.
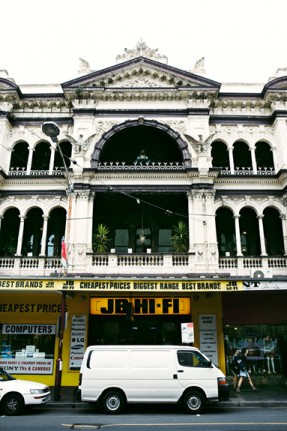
<point>273,232</point>
<point>32,236</point>
<point>264,155</point>
<point>124,142</point>
<point>41,157</point>
<point>66,148</point>
<point>249,232</point>
<point>225,231</point>
<point>219,154</point>
<point>55,232</point>
<point>9,232</point>
<point>241,155</point>
<point>19,156</point>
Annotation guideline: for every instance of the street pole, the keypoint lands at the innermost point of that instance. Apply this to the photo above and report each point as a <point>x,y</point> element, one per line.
<point>59,362</point>
<point>52,130</point>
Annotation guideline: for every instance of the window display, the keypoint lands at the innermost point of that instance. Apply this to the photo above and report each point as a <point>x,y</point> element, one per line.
<point>27,348</point>
<point>266,345</point>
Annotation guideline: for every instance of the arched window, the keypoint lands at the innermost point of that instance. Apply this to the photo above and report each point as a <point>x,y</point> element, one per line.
<point>56,231</point>
<point>273,232</point>
<point>32,236</point>
<point>126,146</point>
<point>19,156</point>
<point>9,232</point>
<point>264,155</point>
<point>41,157</point>
<point>66,149</point>
<point>241,155</point>
<point>219,153</point>
<point>249,232</point>
<point>225,231</point>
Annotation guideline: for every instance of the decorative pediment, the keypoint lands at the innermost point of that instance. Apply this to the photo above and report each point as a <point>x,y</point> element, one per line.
<point>277,84</point>
<point>141,74</point>
<point>276,90</point>
<point>9,91</point>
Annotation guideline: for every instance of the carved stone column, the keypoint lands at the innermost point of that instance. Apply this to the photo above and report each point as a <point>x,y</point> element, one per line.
<point>20,236</point>
<point>237,235</point>
<point>204,230</point>
<point>79,228</point>
<point>52,159</point>
<point>29,162</point>
<point>231,161</point>
<point>44,236</point>
<point>262,236</point>
<point>253,160</point>
<point>5,132</point>
<point>190,222</point>
<point>284,230</point>
<point>284,224</point>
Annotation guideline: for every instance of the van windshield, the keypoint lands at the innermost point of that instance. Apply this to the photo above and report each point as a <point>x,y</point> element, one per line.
<point>192,359</point>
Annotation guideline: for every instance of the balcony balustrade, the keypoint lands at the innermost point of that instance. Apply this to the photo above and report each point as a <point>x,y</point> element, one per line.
<point>247,171</point>
<point>137,265</point>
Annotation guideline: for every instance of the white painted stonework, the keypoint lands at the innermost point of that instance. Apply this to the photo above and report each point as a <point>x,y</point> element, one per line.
<point>142,90</point>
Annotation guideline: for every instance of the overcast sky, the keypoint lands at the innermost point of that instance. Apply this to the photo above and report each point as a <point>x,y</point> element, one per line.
<point>241,40</point>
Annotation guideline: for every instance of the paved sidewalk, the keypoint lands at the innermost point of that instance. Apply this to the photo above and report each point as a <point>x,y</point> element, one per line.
<point>266,396</point>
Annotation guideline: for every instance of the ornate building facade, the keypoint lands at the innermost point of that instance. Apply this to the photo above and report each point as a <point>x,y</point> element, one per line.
<point>168,192</point>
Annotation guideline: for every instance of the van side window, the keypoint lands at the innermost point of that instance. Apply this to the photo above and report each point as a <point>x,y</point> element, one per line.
<point>191,359</point>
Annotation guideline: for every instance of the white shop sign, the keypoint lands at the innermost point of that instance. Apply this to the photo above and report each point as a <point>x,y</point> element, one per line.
<point>208,336</point>
<point>78,341</point>
<point>27,366</point>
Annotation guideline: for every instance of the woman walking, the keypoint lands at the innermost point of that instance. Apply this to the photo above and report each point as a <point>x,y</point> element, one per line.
<point>235,367</point>
<point>244,373</point>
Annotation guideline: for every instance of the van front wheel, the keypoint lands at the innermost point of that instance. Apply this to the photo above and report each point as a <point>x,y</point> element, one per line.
<point>193,402</point>
<point>113,402</point>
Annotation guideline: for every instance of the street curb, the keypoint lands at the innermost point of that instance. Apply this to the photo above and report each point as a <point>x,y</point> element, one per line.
<point>229,404</point>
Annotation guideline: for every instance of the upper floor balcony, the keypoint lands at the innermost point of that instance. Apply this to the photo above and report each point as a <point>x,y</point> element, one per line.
<point>110,265</point>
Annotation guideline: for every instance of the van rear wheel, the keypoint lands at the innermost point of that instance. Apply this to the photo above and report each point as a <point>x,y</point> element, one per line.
<point>113,402</point>
<point>193,402</point>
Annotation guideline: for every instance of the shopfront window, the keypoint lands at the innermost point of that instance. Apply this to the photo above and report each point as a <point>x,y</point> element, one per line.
<point>266,344</point>
<point>27,348</point>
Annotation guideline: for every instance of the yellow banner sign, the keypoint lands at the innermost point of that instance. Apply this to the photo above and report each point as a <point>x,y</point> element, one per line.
<point>139,306</point>
<point>122,285</point>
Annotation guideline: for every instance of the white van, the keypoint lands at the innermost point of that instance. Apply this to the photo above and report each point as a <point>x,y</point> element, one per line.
<point>116,375</point>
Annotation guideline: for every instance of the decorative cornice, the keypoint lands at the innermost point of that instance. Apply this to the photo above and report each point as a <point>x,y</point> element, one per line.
<point>141,94</point>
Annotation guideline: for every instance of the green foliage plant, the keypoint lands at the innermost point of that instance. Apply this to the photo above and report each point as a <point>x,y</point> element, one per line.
<point>179,239</point>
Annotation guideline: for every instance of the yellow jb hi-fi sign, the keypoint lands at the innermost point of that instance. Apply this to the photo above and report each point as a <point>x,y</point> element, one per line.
<point>139,306</point>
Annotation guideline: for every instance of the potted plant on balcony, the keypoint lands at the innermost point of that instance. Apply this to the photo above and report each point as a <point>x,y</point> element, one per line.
<point>179,239</point>
<point>101,238</point>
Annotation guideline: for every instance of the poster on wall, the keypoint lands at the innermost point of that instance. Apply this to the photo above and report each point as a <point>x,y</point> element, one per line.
<point>27,365</point>
<point>208,338</point>
<point>78,341</point>
<point>187,333</point>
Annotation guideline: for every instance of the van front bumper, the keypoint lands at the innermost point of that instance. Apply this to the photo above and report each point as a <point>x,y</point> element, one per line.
<point>223,392</point>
